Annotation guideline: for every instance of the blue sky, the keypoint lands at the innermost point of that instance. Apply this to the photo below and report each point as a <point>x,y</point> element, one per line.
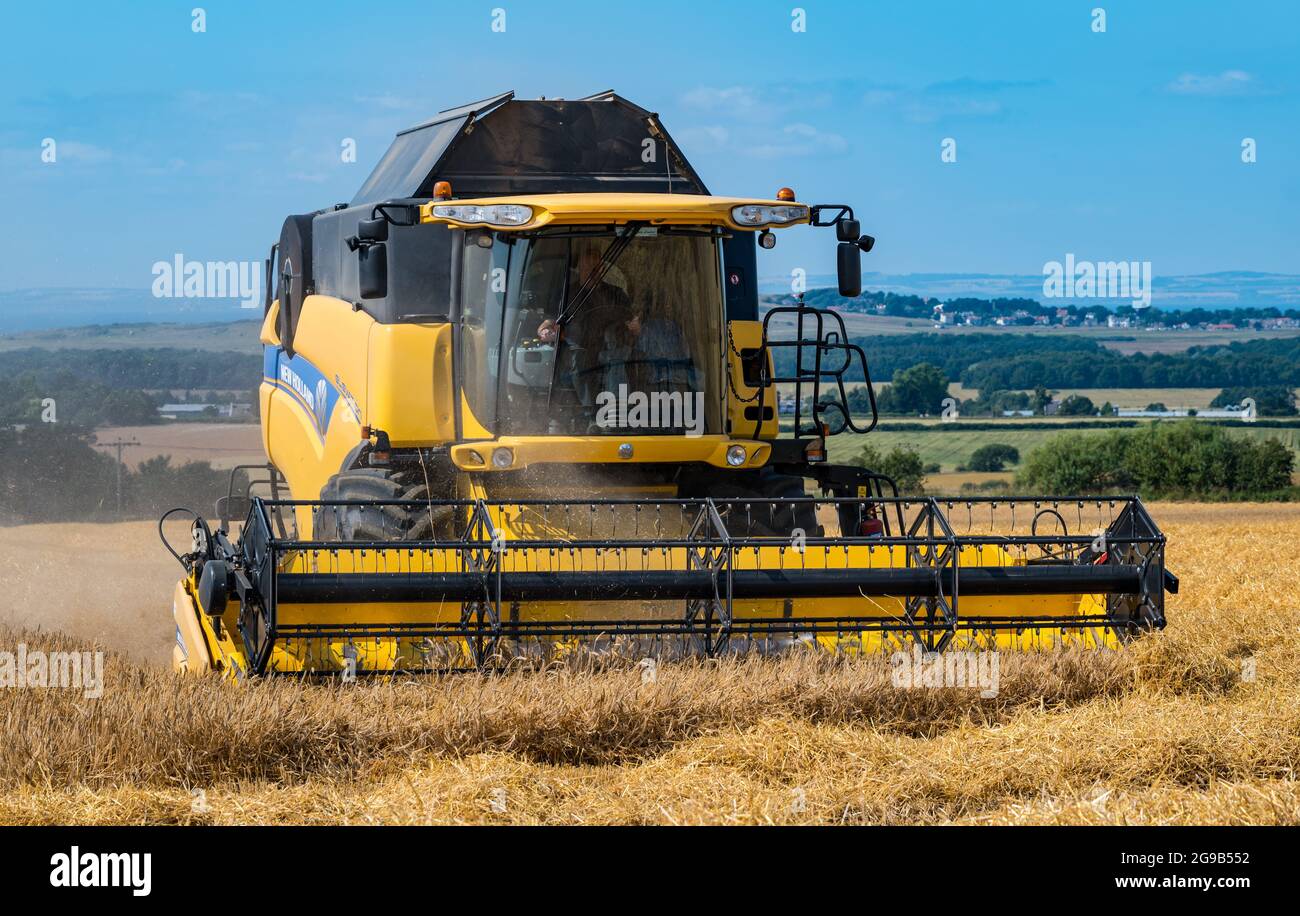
<point>1120,145</point>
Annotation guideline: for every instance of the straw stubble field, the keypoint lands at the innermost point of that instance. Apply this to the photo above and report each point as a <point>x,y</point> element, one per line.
<point>1166,731</point>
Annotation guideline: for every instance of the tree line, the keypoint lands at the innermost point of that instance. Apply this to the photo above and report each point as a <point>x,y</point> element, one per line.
<point>1238,364</point>
<point>52,473</point>
<point>1000,362</point>
<point>65,398</point>
<point>144,367</point>
<point>897,305</point>
<point>108,387</point>
<point>1184,460</point>
<point>953,353</point>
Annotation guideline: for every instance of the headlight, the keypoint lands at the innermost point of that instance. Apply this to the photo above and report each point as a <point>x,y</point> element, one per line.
<point>762,215</point>
<point>470,456</point>
<point>491,215</point>
<point>736,455</point>
<point>502,458</point>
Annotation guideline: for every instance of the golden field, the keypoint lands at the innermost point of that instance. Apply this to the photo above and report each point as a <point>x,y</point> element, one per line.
<point>1165,731</point>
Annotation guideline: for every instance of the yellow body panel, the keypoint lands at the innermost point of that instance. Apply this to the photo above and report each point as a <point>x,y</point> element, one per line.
<point>409,383</point>
<point>529,450</point>
<point>743,336</point>
<point>192,653</point>
<point>615,208</point>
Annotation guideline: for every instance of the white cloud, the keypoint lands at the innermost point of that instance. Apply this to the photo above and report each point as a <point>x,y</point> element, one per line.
<point>72,151</point>
<point>753,104</point>
<point>1229,82</point>
<point>707,138</point>
<point>929,111</point>
<point>387,101</point>
<point>875,97</point>
<point>736,99</point>
<point>800,140</point>
<point>769,122</point>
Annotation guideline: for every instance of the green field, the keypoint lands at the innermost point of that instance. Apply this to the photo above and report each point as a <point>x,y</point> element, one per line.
<point>950,447</point>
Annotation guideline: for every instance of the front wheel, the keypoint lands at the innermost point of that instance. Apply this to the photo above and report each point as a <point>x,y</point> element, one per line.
<point>377,522</point>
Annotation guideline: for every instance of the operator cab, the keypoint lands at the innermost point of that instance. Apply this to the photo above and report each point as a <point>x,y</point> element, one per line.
<point>593,331</point>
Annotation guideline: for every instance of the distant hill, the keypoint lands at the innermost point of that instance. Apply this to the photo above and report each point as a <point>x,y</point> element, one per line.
<point>37,309</point>
<point>46,308</point>
<point>1227,289</point>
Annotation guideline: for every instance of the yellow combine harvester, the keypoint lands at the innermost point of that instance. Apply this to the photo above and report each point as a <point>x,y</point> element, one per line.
<point>520,397</point>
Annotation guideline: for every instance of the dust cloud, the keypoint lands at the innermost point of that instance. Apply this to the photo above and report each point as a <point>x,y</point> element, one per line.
<point>109,584</point>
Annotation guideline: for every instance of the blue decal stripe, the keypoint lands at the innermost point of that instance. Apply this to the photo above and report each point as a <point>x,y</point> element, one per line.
<point>306,384</point>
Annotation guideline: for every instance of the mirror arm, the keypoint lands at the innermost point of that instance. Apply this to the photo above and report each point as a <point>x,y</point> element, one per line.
<point>844,211</point>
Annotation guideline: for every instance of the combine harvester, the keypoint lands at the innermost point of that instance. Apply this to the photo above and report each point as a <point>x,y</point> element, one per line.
<point>523,399</point>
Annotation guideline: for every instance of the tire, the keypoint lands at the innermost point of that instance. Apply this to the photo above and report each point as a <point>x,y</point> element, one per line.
<point>375,522</point>
<point>769,521</point>
<point>801,515</point>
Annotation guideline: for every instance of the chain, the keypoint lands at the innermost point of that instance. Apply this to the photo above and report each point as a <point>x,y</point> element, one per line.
<point>731,382</point>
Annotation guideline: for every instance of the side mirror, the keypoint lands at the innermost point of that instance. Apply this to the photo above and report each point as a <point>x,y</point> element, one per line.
<point>373,230</point>
<point>372,270</point>
<point>849,264</point>
<point>848,230</point>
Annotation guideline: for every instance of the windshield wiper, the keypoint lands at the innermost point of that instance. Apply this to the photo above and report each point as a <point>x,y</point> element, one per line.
<point>589,285</point>
<point>593,280</point>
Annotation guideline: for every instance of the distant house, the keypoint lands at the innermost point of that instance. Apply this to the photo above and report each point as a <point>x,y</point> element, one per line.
<point>1143,412</point>
<point>191,410</point>
<point>172,411</point>
<point>1225,413</point>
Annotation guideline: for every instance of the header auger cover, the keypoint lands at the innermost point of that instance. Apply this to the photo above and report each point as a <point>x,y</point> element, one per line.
<point>531,578</point>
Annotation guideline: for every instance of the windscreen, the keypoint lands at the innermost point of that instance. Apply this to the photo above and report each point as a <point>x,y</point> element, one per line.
<point>584,333</point>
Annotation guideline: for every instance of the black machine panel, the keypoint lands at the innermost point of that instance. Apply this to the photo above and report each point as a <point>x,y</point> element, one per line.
<point>740,276</point>
<point>505,145</point>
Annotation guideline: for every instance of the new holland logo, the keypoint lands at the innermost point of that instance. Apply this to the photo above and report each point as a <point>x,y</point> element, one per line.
<point>315,400</point>
<point>296,384</point>
<point>319,405</point>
